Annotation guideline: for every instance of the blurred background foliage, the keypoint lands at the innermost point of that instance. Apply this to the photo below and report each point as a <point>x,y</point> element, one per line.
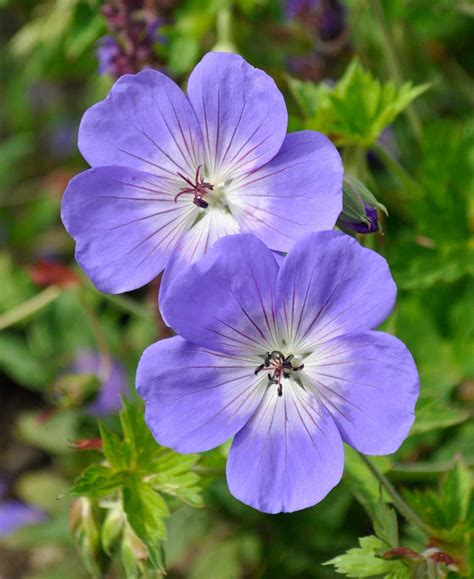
<point>390,81</point>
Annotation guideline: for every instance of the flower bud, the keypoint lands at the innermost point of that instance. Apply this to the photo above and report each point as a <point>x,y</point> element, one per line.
<point>85,529</point>
<point>133,553</point>
<point>112,528</point>
<point>359,208</point>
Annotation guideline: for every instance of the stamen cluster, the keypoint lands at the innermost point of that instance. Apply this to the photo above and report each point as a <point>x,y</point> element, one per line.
<point>198,188</point>
<point>281,366</point>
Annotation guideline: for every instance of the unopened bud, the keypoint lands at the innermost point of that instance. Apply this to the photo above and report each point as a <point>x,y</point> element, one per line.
<point>359,208</point>
<point>85,529</point>
<point>112,528</point>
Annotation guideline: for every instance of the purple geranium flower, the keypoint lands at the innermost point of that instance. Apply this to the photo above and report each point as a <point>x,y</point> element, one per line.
<point>173,173</point>
<point>284,359</point>
<point>111,376</point>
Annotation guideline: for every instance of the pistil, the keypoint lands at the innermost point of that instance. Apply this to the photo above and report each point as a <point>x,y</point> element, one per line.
<point>199,188</point>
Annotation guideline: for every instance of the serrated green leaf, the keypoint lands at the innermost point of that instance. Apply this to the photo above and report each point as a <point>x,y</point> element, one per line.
<point>445,510</point>
<point>97,481</point>
<point>141,445</point>
<point>146,511</point>
<point>386,524</point>
<point>173,477</point>
<point>311,98</point>
<point>184,487</point>
<point>113,448</point>
<point>357,109</point>
<point>457,493</point>
<point>365,562</point>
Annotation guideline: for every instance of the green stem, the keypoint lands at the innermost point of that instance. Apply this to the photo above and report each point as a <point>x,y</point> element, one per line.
<point>398,171</point>
<point>355,162</point>
<point>130,306</point>
<point>224,37</point>
<point>30,307</point>
<point>397,500</point>
<point>392,61</point>
<point>105,367</point>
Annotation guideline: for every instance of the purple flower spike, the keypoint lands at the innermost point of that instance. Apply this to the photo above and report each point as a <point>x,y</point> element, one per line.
<point>108,54</point>
<point>284,359</point>
<point>174,173</point>
<point>111,375</point>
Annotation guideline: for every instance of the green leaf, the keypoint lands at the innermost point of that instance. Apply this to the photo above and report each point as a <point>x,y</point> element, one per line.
<point>446,510</point>
<point>97,481</point>
<point>85,37</point>
<point>52,434</point>
<point>357,109</point>
<point>366,561</point>
<point>146,511</point>
<point>447,265</point>
<point>113,448</point>
<point>309,96</point>
<point>386,524</point>
<point>42,488</point>
<point>457,493</point>
<point>172,476</point>
<point>432,415</point>
<point>18,362</point>
<point>140,444</point>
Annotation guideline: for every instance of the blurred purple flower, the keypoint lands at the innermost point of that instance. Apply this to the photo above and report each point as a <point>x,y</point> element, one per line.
<point>134,31</point>
<point>15,514</point>
<point>299,8</point>
<point>108,54</point>
<point>112,378</point>
<point>310,66</point>
<point>285,360</point>
<point>325,18</point>
<point>61,140</point>
<point>333,21</point>
<point>172,173</point>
